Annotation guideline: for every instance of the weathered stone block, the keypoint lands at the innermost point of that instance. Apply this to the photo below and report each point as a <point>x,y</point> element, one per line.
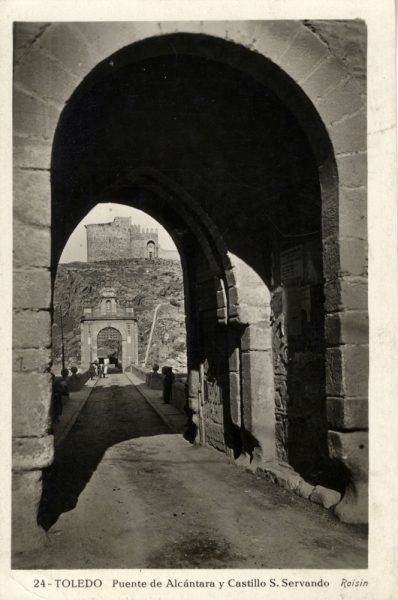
<point>31,329</point>
<point>32,246</point>
<point>325,497</point>
<point>275,37</point>
<point>341,102</point>
<point>304,489</point>
<point>24,34</point>
<point>193,403</point>
<point>330,214</point>
<point>32,289</point>
<point>352,450</point>
<point>258,399</point>
<point>290,480</point>
<point>306,51</point>
<point>107,37</point>
<point>222,315</point>
<point>233,295</point>
<point>62,41</point>
<point>347,413</point>
<point>356,370</point>
<point>353,213</point>
<point>33,117</point>
<point>334,362</point>
<point>26,495</point>
<point>349,293</point>
<point>349,327</point>
<point>344,257</point>
<point>230,276</point>
<point>324,79</point>
<point>44,76</point>
<point>32,197</point>
<point>283,475</point>
<point>235,398</point>
<point>31,153</point>
<point>349,135</point>
<point>257,374</point>
<point>32,453</point>
<point>30,360</point>
<point>353,257</point>
<point>347,371</point>
<point>247,314</point>
<point>233,359</point>
<point>280,432</point>
<point>215,435</point>
<point>221,299</point>
<point>233,313</point>
<point>193,383</point>
<point>257,337</point>
<point>31,397</point>
<point>352,170</point>
<point>252,294</point>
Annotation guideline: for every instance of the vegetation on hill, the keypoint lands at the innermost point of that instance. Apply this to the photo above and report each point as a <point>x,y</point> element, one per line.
<point>147,283</point>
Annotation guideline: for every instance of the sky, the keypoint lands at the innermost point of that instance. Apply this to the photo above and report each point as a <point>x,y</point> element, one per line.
<point>76,247</point>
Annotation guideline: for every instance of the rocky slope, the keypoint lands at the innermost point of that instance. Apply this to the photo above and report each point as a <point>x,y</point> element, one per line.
<point>146,283</point>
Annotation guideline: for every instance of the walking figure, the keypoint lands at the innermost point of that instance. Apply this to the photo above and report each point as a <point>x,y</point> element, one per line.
<point>106,363</point>
<point>168,378</point>
<point>61,390</point>
<point>91,371</point>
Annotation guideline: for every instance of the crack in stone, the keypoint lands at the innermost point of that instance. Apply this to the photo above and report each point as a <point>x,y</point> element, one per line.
<point>33,41</point>
<point>313,29</point>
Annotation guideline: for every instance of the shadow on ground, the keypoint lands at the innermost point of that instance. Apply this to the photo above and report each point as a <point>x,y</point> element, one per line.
<point>112,414</point>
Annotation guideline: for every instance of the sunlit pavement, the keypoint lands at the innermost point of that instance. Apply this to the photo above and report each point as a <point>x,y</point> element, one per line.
<point>127,493</point>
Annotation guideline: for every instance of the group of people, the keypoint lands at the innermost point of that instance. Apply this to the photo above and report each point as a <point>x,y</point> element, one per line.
<point>98,369</point>
<point>62,385</point>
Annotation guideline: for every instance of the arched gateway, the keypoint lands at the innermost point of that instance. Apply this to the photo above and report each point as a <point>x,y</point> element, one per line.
<point>263,195</point>
<point>109,331</point>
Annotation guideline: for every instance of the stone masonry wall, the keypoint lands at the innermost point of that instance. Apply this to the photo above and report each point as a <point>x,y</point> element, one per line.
<point>118,240</point>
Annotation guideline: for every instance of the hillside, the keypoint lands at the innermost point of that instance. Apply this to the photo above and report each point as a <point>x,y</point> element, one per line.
<point>146,283</point>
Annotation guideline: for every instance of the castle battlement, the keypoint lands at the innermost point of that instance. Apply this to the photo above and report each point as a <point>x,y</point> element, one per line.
<point>120,239</point>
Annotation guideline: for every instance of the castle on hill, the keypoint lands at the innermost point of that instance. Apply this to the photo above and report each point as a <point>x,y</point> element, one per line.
<point>120,240</point>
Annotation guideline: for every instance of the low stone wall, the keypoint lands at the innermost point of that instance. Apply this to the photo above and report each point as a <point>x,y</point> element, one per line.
<point>155,382</point>
<point>76,382</point>
<point>139,371</point>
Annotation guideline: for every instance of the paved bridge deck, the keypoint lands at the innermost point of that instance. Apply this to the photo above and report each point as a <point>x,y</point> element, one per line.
<point>126,492</point>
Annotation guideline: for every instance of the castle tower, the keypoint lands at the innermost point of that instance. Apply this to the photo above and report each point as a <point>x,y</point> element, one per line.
<point>120,240</point>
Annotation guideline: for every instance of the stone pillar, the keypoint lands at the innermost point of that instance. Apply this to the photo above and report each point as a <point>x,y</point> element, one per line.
<point>346,333</point>
<point>86,344</point>
<point>258,388</point>
<point>125,362</point>
<point>251,369</point>
<point>31,389</point>
<point>135,348</point>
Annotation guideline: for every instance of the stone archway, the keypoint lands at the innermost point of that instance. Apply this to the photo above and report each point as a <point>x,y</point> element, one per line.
<point>109,344</point>
<point>302,73</point>
<point>151,249</point>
